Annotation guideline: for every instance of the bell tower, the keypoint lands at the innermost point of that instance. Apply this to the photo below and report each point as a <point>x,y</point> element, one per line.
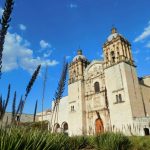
<point>77,67</point>
<point>76,102</point>
<point>117,49</point>
<point>123,91</point>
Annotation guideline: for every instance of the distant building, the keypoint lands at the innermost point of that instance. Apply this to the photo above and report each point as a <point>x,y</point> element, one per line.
<point>104,95</point>
<point>24,118</point>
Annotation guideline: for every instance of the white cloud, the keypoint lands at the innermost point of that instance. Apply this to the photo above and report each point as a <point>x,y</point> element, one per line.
<point>68,57</point>
<point>136,60</point>
<point>44,44</point>
<point>147,58</point>
<point>136,51</point>
<point>17,55</point>
<point>73,5</point>
<point>102,56</point>
<point>144,34</point>
<point>22,27</point>
<point>1,11</point>
<point>47,54</point>
<point>148,45</point>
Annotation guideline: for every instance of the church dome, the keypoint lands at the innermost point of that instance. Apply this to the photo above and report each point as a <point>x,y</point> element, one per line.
<point>114,34</point>
<point>79,56</point>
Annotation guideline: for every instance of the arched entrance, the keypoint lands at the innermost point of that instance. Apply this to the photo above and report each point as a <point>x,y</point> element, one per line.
<point>64,127</point>
<point>146,131</point>
<point>56,128</point>
<point>99,128</point>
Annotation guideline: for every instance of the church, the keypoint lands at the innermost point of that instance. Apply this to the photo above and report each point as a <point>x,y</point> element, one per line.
<point>104,95</point>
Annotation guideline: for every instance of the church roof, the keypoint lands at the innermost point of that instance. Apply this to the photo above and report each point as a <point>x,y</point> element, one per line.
<point>79,56</point>
<point>113,34</point>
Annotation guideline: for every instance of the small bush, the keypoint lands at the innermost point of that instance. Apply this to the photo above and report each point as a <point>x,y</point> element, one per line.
<point>26,138</point>
<point>112,141</point>
<point>140,143</point>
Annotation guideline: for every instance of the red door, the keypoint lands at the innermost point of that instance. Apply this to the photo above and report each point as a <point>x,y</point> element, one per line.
<point>99,128</point>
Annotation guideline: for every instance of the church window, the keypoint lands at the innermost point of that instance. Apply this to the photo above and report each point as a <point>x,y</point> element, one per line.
<point>112,56</point>
<point>96,87</point>
<point>18,118</point>
<point>120,98</point>
<point>74,76</point>
<point>117,99</point>
<point>106,56</point>
<point>72,108</point>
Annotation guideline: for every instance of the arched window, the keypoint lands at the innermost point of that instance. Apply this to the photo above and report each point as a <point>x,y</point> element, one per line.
<point>56,127</point>
<point>64,126</point>
<point>146,131</point>
<point>117,99</point>
<point>96,87</point>
<point>72,108</point>
<point>74,76</point>
<point>120,98</point>
<point>106,56</point>
<point>112,56</point>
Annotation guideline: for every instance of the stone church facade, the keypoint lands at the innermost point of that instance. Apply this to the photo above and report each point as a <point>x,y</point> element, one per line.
<point>104,95</point>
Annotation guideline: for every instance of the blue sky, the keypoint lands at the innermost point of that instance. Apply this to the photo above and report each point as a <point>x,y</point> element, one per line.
<point>46,31</point>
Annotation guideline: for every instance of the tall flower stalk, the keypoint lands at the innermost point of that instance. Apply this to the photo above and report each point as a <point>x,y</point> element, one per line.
<point>59,93</point>
<point>35,110</point>
<point>13,109</point>
<point>29,87</point>
<point>4,27</point>
<point>4,103</point>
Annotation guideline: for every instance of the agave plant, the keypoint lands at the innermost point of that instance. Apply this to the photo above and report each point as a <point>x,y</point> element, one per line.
<point>59,93</point>
<point>35,109</point>
<point>28,88</point>
<point>4,26</point>
<point>4,103</point>
<point>13,108</point>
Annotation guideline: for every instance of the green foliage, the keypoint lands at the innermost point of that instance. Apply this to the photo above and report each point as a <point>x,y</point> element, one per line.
<point>112,141</point>
<point>140,143</point>
<point>81,142</point>
<point>26,138</point>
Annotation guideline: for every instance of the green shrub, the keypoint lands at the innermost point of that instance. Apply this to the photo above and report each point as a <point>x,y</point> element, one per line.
<point>140,143</point>
<point>16,139</point>
<point>26,138</point>
<point>78,142</point>
<point>112,141</point>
